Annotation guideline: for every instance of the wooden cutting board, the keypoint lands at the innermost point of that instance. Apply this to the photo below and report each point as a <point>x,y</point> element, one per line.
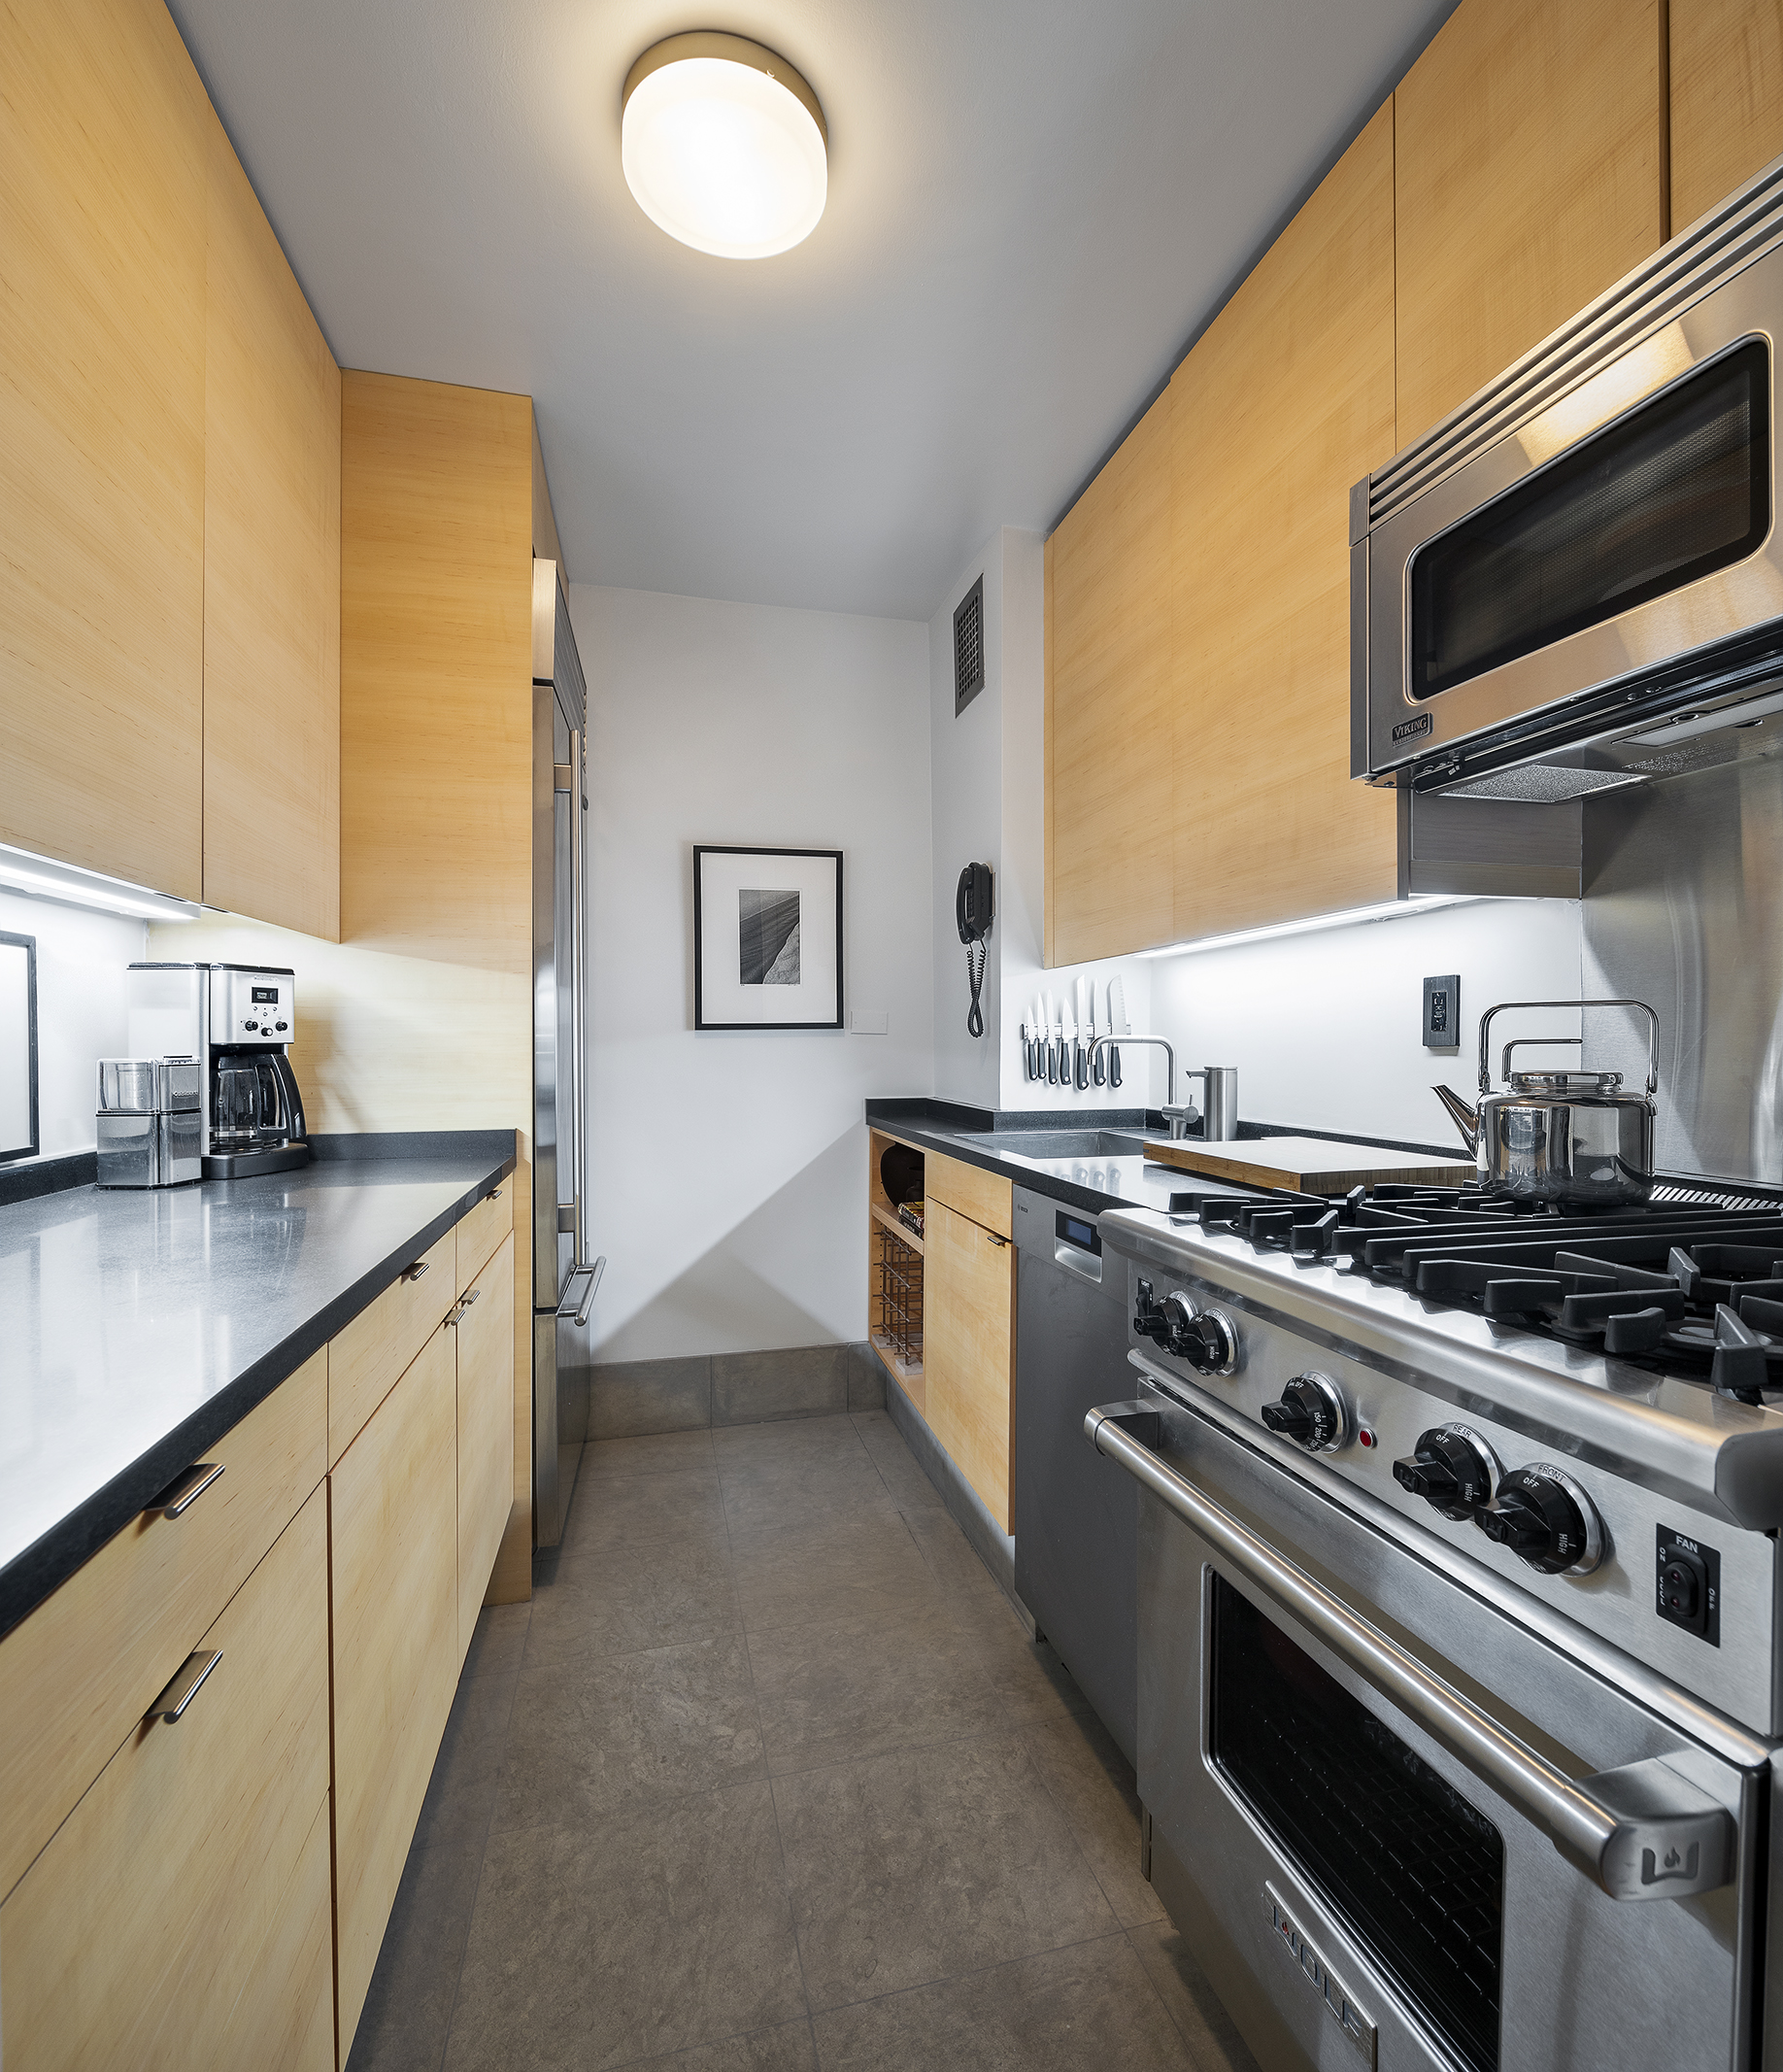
<point>1310,1165</point>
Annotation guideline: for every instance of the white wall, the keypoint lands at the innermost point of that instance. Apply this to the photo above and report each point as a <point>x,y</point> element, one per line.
<point>729,1169</point>
<point>80,1014</point>
<point>989,774</point>
<point>1325,1026</point>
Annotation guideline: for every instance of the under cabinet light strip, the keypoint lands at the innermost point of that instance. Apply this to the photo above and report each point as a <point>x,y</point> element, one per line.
<point>41,878</point>
<point>1387,910</point>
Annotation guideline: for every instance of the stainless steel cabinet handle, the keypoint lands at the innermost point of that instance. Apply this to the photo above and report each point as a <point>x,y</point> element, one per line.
<point>1643,1832</point>
<point>183,1688</point>
<point>414,1271</point>
<point>991,1237</point>
<point>455,1314</point>
<point>178,1498</point>
<point>493,1195</point>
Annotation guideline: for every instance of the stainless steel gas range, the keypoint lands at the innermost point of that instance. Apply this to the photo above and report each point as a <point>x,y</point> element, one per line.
<point>1460,1670</point>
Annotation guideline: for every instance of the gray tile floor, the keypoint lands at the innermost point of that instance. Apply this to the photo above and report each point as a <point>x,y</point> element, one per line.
<point>769,1778</point>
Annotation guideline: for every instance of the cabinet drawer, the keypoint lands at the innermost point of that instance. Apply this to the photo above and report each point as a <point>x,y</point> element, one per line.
<point>485,1433</point>
<point>968,1351</point>
<point>366,1360</point>
<point>180,1916</point>
<point>77,1675</point>
<point>482,1229</point>
<point>987,1198</point>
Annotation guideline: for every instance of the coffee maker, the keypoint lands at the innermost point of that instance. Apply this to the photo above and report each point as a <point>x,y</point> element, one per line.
<point>239,1021</point>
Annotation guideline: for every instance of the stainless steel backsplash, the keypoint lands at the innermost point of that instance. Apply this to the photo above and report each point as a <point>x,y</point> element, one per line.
<point>1684,908</point>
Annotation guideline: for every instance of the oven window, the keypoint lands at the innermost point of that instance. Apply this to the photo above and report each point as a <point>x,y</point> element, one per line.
<point>1665,495</point>
<point>1414,1873</point>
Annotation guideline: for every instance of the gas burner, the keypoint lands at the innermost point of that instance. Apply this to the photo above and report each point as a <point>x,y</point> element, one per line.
<point>1691,1279</point>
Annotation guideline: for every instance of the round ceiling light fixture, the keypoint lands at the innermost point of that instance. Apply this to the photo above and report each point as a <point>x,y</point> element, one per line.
<point>725,146</point>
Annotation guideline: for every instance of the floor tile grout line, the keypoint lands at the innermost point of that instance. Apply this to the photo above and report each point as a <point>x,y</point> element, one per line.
<point>1071,1825</point>
<point>1187,2041</point>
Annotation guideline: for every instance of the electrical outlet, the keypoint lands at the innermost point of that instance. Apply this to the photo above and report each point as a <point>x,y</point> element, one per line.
<point>1442,1012</point>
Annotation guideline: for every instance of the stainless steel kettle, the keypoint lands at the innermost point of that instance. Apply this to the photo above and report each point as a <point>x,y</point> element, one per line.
<point>1565,1137</point>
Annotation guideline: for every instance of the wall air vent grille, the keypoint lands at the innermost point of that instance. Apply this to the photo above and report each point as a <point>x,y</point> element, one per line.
<point>969,647</point>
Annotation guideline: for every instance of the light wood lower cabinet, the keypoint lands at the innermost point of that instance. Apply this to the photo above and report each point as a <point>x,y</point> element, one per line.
<point>485,1332</point>
<point>393,1519</point>
<point>969,1350</point>
<point>179,1919</point>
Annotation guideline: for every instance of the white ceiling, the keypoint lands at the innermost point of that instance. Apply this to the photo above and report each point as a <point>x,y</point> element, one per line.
<point>1034,204</point>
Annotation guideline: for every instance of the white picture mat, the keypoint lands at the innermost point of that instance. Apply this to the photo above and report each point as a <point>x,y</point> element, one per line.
<point>724,998</point>
<point>14,1048</point>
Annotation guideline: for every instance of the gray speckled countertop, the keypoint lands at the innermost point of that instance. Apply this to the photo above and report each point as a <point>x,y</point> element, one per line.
<point>137,1328</point>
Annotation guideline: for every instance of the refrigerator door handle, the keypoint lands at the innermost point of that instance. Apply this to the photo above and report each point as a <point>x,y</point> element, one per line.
<point>578,1038</point>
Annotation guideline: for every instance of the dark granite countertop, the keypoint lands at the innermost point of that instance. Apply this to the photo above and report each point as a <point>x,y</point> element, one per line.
<point>138,1327</point>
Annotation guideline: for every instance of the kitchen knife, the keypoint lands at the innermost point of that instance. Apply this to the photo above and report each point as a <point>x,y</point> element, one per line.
<point>1028,1052</point>
<point>1083,1036</point>
<point>1052,1041</point>
<point>1038,1026</point>
<point>1067,1041</point>
<point>1117,1026</point>
<point>1098,1059</point>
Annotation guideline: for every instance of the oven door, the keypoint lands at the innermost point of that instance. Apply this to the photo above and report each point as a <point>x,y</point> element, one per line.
<point>1397,1828</point>
<point>1599,565</point>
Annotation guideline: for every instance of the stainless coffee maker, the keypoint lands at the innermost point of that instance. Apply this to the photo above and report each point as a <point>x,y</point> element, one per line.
<point>239,1021</point>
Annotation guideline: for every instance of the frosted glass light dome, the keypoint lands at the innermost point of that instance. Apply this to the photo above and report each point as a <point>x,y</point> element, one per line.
<point>725,146</point>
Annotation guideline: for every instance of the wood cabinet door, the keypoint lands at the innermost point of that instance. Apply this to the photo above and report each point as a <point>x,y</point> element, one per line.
<point>272,575</point>
<point>1528,140</point>
<point>1287,400</point>
<point>1111,672</point>
<point>393,1578</point>
<point>485,1332</point>
<point>1726,99</point>
<point>968,1350</point>
<point>179,1918</point>
<point>102,167</point>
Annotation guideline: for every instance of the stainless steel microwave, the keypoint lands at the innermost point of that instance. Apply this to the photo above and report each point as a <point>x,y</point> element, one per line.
<point>1576,579</point>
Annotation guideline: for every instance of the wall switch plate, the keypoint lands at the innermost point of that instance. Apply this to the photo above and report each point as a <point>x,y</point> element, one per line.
<point>867,1020</point>
<point>1442,1012</point>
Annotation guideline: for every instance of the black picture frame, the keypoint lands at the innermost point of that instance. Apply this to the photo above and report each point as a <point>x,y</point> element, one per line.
<point>703,1022</point>
<point>27,943</point>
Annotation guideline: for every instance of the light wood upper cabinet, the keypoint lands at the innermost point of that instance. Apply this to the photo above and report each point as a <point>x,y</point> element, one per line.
<point>1528,181</point>
<point>103,153</point>
<point>393,1581</point>
<point>968,1350</point>
<point>1284,403</point>
<point>1110,679</point>
<point>485,1333</point>
<point>1726,99</point>
<point>272,575</point>
<point>178,1921</point>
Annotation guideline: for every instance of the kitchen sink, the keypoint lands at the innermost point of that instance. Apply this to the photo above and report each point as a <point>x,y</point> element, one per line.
<point>1063,1143</point>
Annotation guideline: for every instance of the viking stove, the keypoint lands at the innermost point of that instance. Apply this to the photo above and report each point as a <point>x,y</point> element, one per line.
<point>1459,1682</point>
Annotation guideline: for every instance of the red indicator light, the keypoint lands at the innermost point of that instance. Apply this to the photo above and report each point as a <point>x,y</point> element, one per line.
<point>1365,1437</point>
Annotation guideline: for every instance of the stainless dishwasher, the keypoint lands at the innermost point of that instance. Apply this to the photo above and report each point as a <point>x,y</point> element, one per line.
<point>1076,1514</point>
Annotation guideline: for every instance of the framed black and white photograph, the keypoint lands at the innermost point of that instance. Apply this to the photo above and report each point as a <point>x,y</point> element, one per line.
<point>767,938</point>
<point>18,1047</point>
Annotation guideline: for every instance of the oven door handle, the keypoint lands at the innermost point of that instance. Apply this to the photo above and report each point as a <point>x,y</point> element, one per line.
<point>1643,1832</point>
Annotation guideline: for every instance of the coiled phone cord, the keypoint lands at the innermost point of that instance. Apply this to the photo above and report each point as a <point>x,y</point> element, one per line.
<point>975,978</point>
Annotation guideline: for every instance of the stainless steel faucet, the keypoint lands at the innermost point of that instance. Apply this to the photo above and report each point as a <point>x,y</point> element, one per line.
<point>1219,1082</point>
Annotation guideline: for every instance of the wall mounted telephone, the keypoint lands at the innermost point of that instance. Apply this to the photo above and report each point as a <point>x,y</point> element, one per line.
<point>973,910</point>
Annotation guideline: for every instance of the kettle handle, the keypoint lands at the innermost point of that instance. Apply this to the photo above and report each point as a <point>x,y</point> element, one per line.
<point>1508,1006</point>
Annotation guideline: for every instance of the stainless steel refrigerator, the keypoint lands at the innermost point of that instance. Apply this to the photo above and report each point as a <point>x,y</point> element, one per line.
<point>564,1279</point>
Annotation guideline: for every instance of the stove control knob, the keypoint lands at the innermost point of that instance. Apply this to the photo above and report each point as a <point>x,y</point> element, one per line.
<point>1312,1413</point>
<point>1546,1520</point>
<point>1210,1343</point>
<point>1451,1467</point>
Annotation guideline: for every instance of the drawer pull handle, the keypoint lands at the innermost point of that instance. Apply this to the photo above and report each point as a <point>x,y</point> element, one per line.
<point>493,1195</point>
<point>178,1498</point>
<point>465,1299</point>
<point>183,1688</point>
<point>415,1271</point>
<point>991,1237</point>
